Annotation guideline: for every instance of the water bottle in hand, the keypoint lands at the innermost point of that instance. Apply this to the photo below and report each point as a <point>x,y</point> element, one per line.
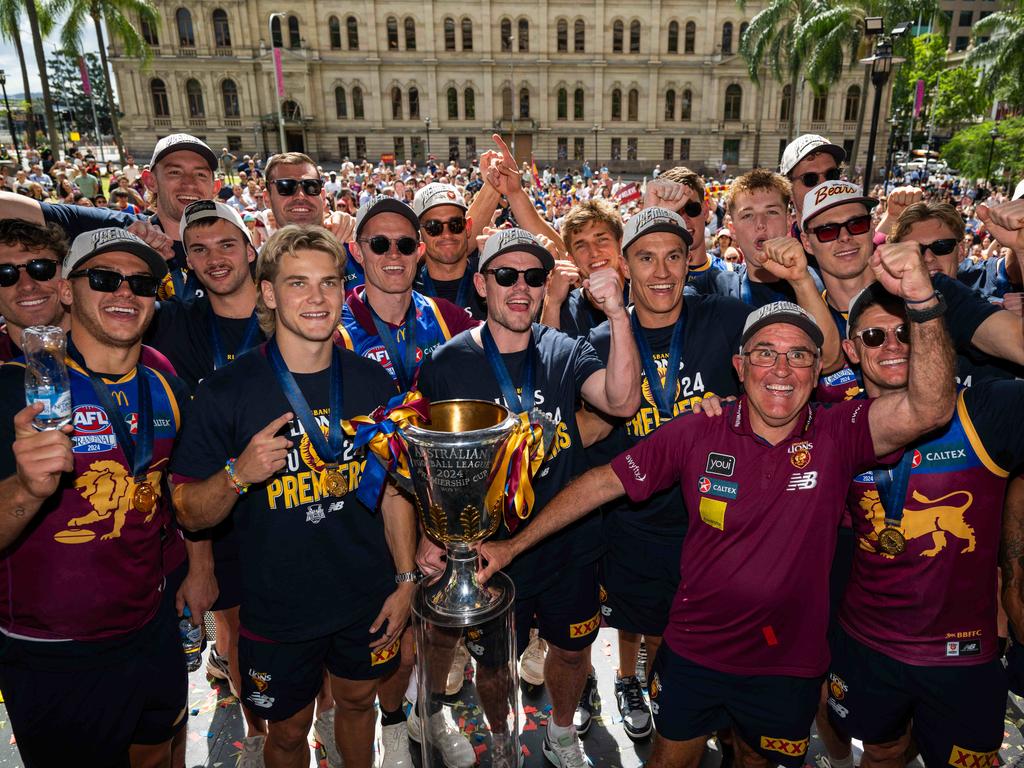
<point>46,376</point>
<point>191,641</point>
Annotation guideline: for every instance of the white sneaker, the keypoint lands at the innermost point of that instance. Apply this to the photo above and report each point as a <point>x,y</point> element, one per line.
<point>531,665</point>
<point>251,755</point>
<point>455,749</point>
<point>457,673</point>
<point>566,752</point>
<point>394,742</point>
<point>323,731</point>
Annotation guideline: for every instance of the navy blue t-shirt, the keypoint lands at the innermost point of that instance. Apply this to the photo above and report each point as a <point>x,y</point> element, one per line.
<point>449,290</point>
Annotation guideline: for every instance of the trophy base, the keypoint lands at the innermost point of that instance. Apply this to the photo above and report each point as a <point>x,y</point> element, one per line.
<point>457,600</point>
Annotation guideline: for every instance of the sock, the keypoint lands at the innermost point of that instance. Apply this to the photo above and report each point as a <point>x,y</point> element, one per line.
<point>392,718</point>
<point>844,762</point>
<point>558,731</point>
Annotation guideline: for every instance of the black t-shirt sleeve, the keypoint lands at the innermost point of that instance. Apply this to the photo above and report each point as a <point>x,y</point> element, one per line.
<point>206,439</point>
<point>12,400</point>
<point>966,310</point>
<point>586,362</point>
<point>76,219</point>
<point>996,409</point>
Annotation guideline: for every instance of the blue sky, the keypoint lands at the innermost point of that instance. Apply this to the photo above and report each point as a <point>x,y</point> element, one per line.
<point>9,56</point>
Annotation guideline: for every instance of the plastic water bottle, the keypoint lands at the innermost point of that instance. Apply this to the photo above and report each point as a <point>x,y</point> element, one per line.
<point>46,376</point>
<point>191,641</point>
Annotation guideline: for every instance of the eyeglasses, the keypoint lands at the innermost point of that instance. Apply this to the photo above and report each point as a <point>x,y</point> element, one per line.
<point>287,187</point>
<point>381,244</point>
<point>434,227</point>
<point>38,269</point>
<point>693,209</point>
<point>813,179</point>
<point>763,357</point>
<point>108,281</point>
<point>506,277</point>
<point>942,247</point>
<point>858,225</point>
<point>875,337</point>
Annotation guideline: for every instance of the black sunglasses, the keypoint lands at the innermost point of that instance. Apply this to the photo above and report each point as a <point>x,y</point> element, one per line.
<point>858,225</point>
<point>287,187</point>
<point>506,277</point>
<point>813,179</point>
<point>108,281</point>
<point>875,337</point>
<point>942,247</point>
<point>434,227</point>
<point>38,269</point>
<point>692,209</point>
<point>380,244</point>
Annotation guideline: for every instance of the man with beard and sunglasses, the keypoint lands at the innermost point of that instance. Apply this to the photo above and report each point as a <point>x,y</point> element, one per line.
<point>92,650</point>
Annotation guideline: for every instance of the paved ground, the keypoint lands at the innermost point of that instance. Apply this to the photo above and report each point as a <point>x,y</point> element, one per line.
<point>215,725</point>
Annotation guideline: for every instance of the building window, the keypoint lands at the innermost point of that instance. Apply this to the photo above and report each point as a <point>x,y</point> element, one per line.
<point>221,29</point>
<point>360,147</point>
<point>506,103</point>
<point>684,149</point>
<point>399,149</point>
<point>961,43</point>
<point>158,92</point>
<point>506,36</point>
<point>634,37</point>
<point>731,151</point>
<point>633,113</point>
<point>453,148</point>
<point>669,153</point>
<point>690,37</point>
<point>357,103</point>
<point>579,148</point>
<point>275,33</point>
<point>579,36</point>
<point>449,34</point>
<point>294,38</point>
<point>727,38</point>
<point>340,104</point>
<point>416,149</point>
<point>234,143</point>
<point>616,104</point>
<point>414,104</point>
<point>467,36</point>
<point>410,34</point>
<point>524,103</point>
<point>577,104</point>
<point>291,111</point>
<point>343,151</point>
<point>396,103</point>
<point>229,94</point>
<point>334,27</point>
<point>616,149</point>
<point>673,37</point>
<point>524,36</point>
<point>453,104</point>
<point>819,107</point>
<point>149,32</point>
<point>670,105</point>
<point>186,36</point>
<point>617,32</point>
<point>471,149</point>
<point>786,107</point>
<point>563,104</point>
<point>353,34</point>
<point>194,94</point>
<point>733,102</point>
<point>392,27</point>
<point>469,103</point>
<point>631,148</point>
<point>562,36</point>
<point>852,108</point>
<point>563,148</point>
<point>966,18</point>
<point>686,110</point>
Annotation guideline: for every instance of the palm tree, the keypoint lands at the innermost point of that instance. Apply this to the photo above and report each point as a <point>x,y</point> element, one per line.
<point>119,17</point>
<point>1001,56</point>
<point>10,30</point>
<point>40,21</point>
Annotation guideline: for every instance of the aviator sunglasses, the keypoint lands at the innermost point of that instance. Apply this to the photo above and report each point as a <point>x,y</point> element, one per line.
<point>381,244</point>
<point>858,225</point>
<point>108,281</point>
<point>506,277</point>
<point>39,270</point>
<point>812,179</point>
<point>287,187</point>
<point>875,337</point>
<point>434,227</point>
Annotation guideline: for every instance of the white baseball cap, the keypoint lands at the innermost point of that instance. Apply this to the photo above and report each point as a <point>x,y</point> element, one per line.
<point>829,194</point>
<point>208,209</point>
<point>182,141</point>
<point>97,241</point>
<point>1018,193</point>
<point>435,194</point>
<point>651,220</point>
<point>804,145</point>
<point>514,241</point>
<point>782,312</point>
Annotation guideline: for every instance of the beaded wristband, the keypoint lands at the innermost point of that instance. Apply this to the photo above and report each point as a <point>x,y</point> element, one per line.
<point>921,301</point>
<point>240,487</point>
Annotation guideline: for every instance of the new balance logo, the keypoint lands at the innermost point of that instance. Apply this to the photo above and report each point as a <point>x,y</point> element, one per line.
<point>802,481</point>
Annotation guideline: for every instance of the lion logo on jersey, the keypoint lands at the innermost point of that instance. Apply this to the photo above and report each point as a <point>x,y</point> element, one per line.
<point>933,518</point>
<point>662,374</point>
<point>309,455</point>
<point>108,489</point>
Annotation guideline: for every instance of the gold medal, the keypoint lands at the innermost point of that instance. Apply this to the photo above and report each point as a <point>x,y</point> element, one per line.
<point>144,498</point>
<point>334,483</point>
<point>891,541</point>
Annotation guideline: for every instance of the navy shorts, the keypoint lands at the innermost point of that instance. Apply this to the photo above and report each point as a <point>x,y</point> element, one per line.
<point>771,713</point>
<point>957,711</point>
<point>839,575</point>
<point>640,579</point>
<point>279,679</point>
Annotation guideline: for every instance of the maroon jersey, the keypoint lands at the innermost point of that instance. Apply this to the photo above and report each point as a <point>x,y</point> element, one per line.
<point>935,604</point>
<point>753,593</point>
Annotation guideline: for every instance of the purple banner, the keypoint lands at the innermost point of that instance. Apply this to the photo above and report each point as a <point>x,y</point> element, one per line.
<point>279,72</point>
<point>919,98</point>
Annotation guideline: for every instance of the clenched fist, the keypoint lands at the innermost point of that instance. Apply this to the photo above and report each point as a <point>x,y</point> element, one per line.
<point>785,259</point>
<point>605,286</point>
<point>900,268</point>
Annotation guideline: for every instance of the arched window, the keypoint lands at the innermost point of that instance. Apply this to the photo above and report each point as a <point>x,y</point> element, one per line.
<point>579,36</point>
<point>727,37</point>
<point>186,37</point>
<point>357,103</point>
<point>229,96</point>
<point>392,27</point>
<point>506,35</point>
<point>275,33</point>
<point>506,103</point>
<point>786,106</point>
<point>733,102</point>
<point>414,104</point>
<point>634,105</point>
<point>524,103</point>
<point>562,36</point>
<point>453,104</point>
<point>291,111</point>
<point>352,27</point>
<point>690,37</point>
<point>467,34</point>
<point>396,103</point>
<point>852,108</point>
<point>410,34</point>
<point>334,27</point>
<point>563,104</point>
<point>221,29</point>
<point>743,31</point>
<point>294,38</point>
<point>819,107</point>
<point>149,32</point>
<point>673,37</point>
<point>686,105</point>
<point>577,104</point>
<point>616,104</point>
<point>340,104</point>
<point>670,105</point>
<point>449,34</point>
<point>524,36</point>
<point>634,37</point>
<point>158,91</point>
<point>469,103</point>
<point>194,96</point>
<point>617,31</point>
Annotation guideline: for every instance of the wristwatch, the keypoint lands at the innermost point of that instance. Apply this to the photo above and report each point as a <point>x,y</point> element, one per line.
<point>924,315</point>
<point>406,576</point>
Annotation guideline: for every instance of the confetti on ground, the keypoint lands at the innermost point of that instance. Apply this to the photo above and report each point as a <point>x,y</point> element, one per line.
<point>195,711</point>
<point>236,744</point>
<point>529,710</point>
<point>480,749</point>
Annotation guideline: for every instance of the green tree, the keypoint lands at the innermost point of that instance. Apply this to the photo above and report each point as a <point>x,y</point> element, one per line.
<point>120,17</point>
<point>39,22</point>
<point>960,100</point>
<point>67,80</point>
<point>1001,55</point>
<point>970,149</point>
<point>10,30</point>
<point>925,60</point>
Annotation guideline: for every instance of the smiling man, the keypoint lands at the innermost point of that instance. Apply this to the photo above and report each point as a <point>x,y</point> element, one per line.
<point>30,258</point>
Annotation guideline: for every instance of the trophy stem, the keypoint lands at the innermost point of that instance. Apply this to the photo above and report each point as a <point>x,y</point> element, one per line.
<point>456,599</point>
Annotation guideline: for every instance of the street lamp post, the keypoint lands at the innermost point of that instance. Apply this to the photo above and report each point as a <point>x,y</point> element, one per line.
<point>512,85</point>
<point>993,135</point>
<point>10,118</point>
<point>273,56</point>
<point>426,122</point>
<point>597,161</point>
<point>881,68</point>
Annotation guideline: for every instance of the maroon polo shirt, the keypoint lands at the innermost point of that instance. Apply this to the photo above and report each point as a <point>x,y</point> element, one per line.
<point>754,588</point>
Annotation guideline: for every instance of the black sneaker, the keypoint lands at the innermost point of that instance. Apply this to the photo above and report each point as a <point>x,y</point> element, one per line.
<point>636,715</point>
<point>590,705</point>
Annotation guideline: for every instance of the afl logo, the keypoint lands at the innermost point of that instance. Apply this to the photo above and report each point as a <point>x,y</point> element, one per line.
<point>91,420</point>
<point>916,461</point>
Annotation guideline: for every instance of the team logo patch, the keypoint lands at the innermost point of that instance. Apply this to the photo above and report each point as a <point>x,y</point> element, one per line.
<point>940,520</point>
<point>584,628</point>
<point>259,697</point>
<point>655,686</point>
<point>800,458</point>
<point>385,654</point>
<point>968,758</point>
<point>315,513</point>
<point>953,648</point>
<point>93,432</point>
<point>836,687</point>
<point>109,491</point>
<point>602,593</point>
<point>720,464</point>
<point>785,746</point>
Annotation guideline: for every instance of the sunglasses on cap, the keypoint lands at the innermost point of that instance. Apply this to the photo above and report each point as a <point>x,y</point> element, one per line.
<point>434,227</point>
<point>858,225</point>
<point>875,337</point>
<point>380,244</point>
<point>38,269</point>
<point>942,247</point>
<point>506,277</point>
<point>692,209</point>
<point>108,281</point>
<point>813,178</point>
<point>287,187</point>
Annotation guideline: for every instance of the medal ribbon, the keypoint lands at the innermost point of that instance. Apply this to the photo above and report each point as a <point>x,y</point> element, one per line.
<point>664,395</point>
<point>892,488</point>
<point>431,290</point>
<point>220,359</point>
<point>404,372</point>
<point>516,403</point>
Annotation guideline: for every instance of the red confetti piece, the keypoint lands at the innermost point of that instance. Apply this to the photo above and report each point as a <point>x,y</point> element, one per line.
<point>529,725</point>
<point>525,750</point>
<point>480,749</point>
<point>236,744</point>
<point>529,710</point>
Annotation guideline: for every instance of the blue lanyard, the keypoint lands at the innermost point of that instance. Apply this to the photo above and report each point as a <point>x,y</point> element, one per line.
<point>404,372</point>
<point>664,395</point>
<point>523,404</point>
<point>892,487</point>
<point>248,340</point>
<point>329,449</point>
<point>430,289</point>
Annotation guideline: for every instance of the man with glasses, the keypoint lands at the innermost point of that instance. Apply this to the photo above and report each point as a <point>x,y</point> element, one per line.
<point>29,288</point>
<point>92,649</point>
<point>910,648</point>
<point>746,646</point>
<point>526,365</point>
<point>807,161</point>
